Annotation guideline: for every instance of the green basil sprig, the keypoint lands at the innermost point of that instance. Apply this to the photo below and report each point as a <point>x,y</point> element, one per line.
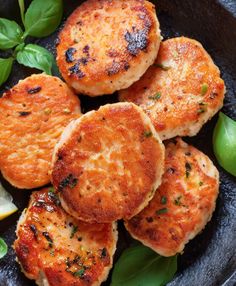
<point>41,19</point>
<point>3,248</point>
<point>224,143</point>
<point>22,10</point>
<point>10,34</point>
<point>5,68</point>
<point>35,56</point>
<point>141,266</point>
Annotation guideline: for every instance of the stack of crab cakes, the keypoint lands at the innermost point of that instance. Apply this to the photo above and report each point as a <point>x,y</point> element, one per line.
<point>110,164</point>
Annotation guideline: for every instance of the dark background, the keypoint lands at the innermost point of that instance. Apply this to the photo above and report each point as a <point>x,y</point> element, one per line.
<point>210,259</point>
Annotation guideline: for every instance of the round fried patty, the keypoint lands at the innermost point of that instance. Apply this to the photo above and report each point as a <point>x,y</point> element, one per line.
<point>181,91</point>
<point>108,45</point>
<point>182,205</point>
<point>33,115</point>
<point>57,250</point>
<point>108,164</point>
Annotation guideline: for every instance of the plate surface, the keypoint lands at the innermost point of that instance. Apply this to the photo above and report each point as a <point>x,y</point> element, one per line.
<point>210,259</point>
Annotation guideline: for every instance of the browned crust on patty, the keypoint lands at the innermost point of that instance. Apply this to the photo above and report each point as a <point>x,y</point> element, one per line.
<point>107,164</point>
<point>182,205</point>
<point>66,251</point>
<point>33,115</point>
<point>104,42</point>
<point>181,91</point>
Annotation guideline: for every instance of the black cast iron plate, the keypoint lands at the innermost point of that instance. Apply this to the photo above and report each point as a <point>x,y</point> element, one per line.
<point>210,259</point>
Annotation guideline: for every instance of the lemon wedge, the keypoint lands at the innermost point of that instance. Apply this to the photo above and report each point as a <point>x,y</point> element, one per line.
<point>6,205</point>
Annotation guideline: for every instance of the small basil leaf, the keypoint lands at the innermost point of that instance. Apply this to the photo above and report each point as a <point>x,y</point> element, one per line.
<point>43,17</point>
<point>19,47</point>
<point>5,68</point>
<point>3,248</point>
<point>22,10</point>
<point>141,266</point>
<point>10,34</point>
<point>34,56</point>
<point>224,143</point>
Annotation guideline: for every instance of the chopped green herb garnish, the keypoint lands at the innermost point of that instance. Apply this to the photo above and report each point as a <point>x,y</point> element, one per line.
<point>51,190</point>
<point>201,110</point>
<point>79,273</point>
<point>200,183</point>
<point>52,252</point>
<point>70,181</point>
<point>162,211</point>
<point>73,231</point>
<point>175,54</point>
<point>147,134</point>
<point>178,201</point>
<point>53,196</point>
<point>155,97</point>
<point>188,168</point>
<point>73,183</point>
<point>163,67</point>
<point>66,110</point>
<point>204,89</point>
<point>163,200</point>
<point>47,111</point>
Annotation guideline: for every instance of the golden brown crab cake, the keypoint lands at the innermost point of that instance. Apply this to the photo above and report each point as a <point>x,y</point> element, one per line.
<point>108,45</point>
<point>33,115</point>
<point>108,164</point>
<point>182,205</point>
<point>181,91</point>
<point>56,250</point>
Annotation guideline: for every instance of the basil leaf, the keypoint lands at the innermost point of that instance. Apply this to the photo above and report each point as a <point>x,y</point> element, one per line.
<point>141,266</point>
<point>43,17</point>
<point>34,56</point>
<point>19,47</point>
<point>10,34</point>
<point>224,143</point>
<point>5,69</point>
<point>3,248</point>
<point>22,10</point>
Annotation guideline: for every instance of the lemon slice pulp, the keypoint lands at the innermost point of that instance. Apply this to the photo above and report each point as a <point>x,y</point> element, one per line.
<point>6,205</point>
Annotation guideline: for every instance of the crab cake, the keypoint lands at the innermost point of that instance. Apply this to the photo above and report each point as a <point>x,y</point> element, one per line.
<point>33,115</point>
<point>108,164</point>
<point>182,205</point>
<point>56,250</point>
<point>108,45</point>
<point>181,91</point>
